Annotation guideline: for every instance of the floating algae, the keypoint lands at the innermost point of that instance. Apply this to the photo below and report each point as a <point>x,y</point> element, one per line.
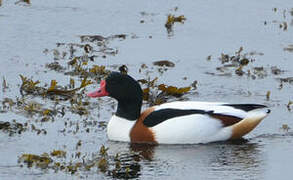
<point>241,64</point>
<point>116,166</point>
<point>155,94</point>
<point>29,87</point>
<point>171,20</point>
<point>164,63</point>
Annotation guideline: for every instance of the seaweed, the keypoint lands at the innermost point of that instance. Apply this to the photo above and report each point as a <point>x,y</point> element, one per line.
<point>290,103</point>
<point>289,48</point>
<point>55,66</point>
<point>76,59</point>
<point>7,103</point>
<point>171,20</point>
<point>58,153</point>
<point>155,94</point>
<point>282,21</point>
<point>115,166</point>
<point>81,69</point>
<point>41,161</point>
<point>174,91</point>
<point>164,63</point>
<point>88,48</point>
<point>91,38</point>
<point>268,95</point>
<point>241,64</point>
<point>55,93</point>
<point>31,108</point>
<point>276,71</point>
<point>285,127</point>
<point>12,127</point>
<point>29,87</point>
<point>4,85</point>
<point>123,69</point>
<point>22,1</point>
<point>286,80</point>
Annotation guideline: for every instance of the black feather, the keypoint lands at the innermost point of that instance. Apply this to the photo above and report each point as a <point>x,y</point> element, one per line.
<point>246,107</point>
<point>156,117</point>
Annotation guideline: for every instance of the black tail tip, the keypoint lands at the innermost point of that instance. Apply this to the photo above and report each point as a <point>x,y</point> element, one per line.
<point>268,111</point>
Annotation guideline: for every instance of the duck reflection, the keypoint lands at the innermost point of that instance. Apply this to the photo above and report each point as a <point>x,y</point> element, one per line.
<point>145,150</point>
<point>242,158</point>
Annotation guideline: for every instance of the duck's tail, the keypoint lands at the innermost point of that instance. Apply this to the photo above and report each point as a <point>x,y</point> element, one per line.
<point>246,125</point>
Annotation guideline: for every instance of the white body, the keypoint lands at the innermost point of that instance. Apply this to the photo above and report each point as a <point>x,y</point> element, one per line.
<point>189,129</point>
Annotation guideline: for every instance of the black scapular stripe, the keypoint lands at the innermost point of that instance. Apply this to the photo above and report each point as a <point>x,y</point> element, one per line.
<point>156,117</point>
<point>246,107</point>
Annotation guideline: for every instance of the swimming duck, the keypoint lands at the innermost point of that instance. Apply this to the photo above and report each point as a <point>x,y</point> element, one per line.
<point>179,122</point>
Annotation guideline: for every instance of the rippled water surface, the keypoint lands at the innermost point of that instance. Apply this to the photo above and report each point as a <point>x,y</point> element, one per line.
<point>35,35</point>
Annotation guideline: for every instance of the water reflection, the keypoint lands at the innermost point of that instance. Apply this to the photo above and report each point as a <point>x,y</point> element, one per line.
<point>242,159</point>
<point>145,150</point>
<point>238,159</point>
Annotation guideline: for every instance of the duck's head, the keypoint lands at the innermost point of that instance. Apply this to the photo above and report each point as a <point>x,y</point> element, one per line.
<point>118,86</point>
<point>125,90</point>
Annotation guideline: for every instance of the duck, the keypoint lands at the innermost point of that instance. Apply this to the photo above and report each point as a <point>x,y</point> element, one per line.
<point>178,122</point>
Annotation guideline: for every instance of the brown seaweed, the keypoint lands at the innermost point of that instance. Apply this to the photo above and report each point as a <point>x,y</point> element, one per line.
<point>171,20</point>
<point>31,87</point>
<point>115,166</point>
<point>164,63</point>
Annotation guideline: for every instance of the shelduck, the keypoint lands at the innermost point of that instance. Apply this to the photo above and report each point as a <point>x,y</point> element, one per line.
<point>179,122</point>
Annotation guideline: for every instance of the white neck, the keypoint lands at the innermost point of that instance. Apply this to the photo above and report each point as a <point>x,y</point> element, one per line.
<point>118,129</point>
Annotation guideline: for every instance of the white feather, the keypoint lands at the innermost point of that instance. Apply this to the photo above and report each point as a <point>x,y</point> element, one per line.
<point>118,129</point>
<point>191,129</point>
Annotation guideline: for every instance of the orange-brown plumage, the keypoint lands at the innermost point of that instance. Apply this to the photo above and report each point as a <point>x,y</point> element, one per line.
<point>140,133</point>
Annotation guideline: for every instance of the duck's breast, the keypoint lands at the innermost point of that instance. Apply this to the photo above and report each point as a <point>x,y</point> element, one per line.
<point>118,129</point>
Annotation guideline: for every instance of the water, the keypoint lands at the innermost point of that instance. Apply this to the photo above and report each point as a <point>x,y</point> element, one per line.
<point>211,28</point>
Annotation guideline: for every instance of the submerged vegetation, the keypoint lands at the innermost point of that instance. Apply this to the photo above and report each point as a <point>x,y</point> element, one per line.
<point>171,20</point>
<point>22,1</point>
<point>242,64</point>
<point>122,166</point>
<point>12,128</point>
<point>29,87</point>
<point>289,48</point>
<point>155,93</point>
<point>284,18</point>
